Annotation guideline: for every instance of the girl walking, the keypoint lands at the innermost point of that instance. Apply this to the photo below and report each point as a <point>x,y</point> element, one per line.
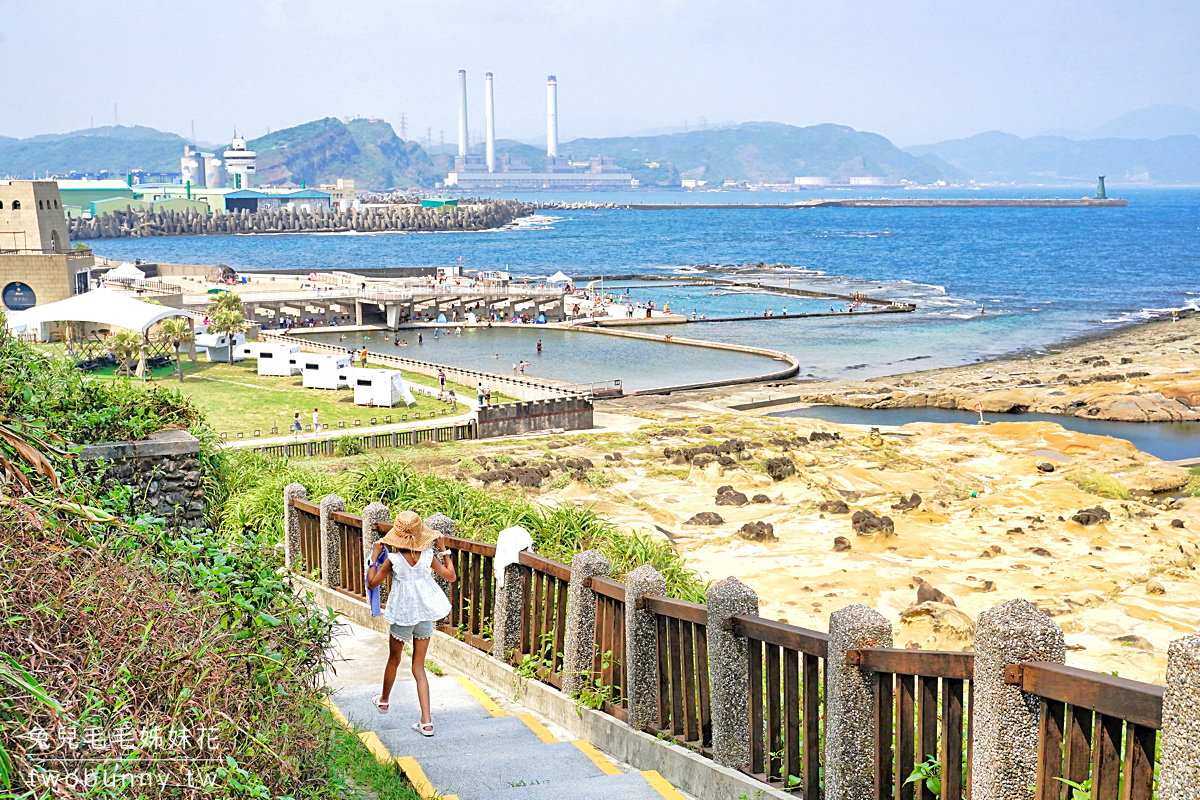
<point>415,602</point>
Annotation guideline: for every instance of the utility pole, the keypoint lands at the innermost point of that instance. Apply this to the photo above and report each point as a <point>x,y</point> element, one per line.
<point>428,139</point>
<point>193,130</point>
<point>403,126</point>
<point>115,122</point>
<point>704,123</point>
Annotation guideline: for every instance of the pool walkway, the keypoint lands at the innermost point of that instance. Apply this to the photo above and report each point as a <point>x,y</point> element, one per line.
<point>483,748</point>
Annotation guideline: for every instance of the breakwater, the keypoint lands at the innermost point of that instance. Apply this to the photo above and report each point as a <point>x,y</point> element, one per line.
<point>858,202</point>
<point>139,223</point>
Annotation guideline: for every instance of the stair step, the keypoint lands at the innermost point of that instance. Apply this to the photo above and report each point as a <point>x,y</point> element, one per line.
<point>508,765</point>
<point>447,699</point>
<point>467,738</point>
<point>629,786</point>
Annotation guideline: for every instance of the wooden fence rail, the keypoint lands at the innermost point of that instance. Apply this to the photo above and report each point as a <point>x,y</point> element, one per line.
<point>684,706</point>
<point>786,701</point>
<point>544,585</point>
<point>914,690</point>
<point>1093,727</point>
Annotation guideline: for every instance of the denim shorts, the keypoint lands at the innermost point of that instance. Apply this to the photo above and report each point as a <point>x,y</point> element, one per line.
<point>406,633</point>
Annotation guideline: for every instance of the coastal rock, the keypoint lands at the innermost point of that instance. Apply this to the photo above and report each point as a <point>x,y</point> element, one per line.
<point>841,544</point>
<point>1134,641</point>
<point>780,468</point>
<point>908,503</point>
<point>1045,466</point>
<point>758,532</point>
<point>1091,516</point>
<point>731,497</point>
<point>1176,523</point>
<point>833,507</point>
<point>1155,588</point>
<point>936,626</point>
<point>865,523</point>
<point>1156,478</point>
<point>760,498</point>
<point>824,438</point>
<point>706,518</point>
<point>928,593</point>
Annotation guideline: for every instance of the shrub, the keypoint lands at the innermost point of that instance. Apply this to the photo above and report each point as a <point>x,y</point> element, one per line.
<point>348,445</point>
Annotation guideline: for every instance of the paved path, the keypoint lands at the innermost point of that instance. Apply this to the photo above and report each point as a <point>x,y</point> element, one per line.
<point>480,750</point>
<point>336,433</point>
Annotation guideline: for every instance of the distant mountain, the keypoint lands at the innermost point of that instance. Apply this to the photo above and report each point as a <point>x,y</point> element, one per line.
<point>325,149</point>
<point>1005,158</point>
<point>1152,122</point>
<point>768,152</point>
<point>117,149</point>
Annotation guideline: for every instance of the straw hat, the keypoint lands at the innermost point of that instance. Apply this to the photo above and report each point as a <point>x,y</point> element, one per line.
<point>409,533</point>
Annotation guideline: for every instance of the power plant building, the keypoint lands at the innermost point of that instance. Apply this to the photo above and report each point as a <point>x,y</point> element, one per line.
<point>493,171</point>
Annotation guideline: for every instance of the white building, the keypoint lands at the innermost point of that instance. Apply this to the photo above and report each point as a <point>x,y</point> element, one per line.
<point>378,387</point>
<point>324,371</point>
<point>274,358</point>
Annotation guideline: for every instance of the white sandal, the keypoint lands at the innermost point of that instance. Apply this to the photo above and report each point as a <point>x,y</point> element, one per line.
<point>380,706</point>
<point>423,728</point>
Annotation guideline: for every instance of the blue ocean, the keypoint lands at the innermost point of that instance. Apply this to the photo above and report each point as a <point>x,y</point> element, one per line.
<point>986,282</point>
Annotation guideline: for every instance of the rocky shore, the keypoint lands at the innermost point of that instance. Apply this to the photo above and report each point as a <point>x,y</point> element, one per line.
<point>1146,373</point>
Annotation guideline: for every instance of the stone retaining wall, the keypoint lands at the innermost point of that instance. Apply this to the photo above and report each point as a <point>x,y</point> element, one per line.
<point>568,413</point>
<point>164,472</point>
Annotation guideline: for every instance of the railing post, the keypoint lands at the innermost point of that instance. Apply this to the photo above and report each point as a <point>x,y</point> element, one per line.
<point>580,644</point>
<point>373,513</point>
<point>446,527</point>
<point>1180,752</point>
<point>506,614</point>
<point>331,544</point>
<point>729,671</point>
<point>1005,720</point>
<point>291,523</point>
<point>641,646</point>
<point>850,703</point>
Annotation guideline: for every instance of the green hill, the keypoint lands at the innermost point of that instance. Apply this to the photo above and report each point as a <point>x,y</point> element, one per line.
<point>760,152</point>
<point>117,149</point>
<point>325,149</point>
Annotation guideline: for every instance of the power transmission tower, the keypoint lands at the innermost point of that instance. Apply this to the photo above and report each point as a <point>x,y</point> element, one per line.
<point>429,138</point>
<point>403,126</point>
<point>193,131</point>
<point>704,123</point>
<point>442,140</point>
<point>115,122</point>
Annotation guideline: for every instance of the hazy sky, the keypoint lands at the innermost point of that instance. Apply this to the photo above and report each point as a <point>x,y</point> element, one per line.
<point>916,71</point>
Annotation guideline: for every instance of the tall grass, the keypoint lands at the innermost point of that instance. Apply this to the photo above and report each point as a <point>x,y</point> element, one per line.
<point>255,502</point>
<point>1099,484</point>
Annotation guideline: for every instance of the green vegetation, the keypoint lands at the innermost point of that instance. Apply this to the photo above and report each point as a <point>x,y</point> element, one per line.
<point>1100,485</point>
<point>1193,485</point>
<point>558,532</point>
<point>114,627</point>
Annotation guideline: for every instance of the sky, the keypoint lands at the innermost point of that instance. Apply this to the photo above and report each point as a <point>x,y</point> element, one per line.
<point>916,71</point>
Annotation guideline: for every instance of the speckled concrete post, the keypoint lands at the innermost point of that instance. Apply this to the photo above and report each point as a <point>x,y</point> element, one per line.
<point>1179,776</point>
<point>375,512</point>
<point>506,614</point>
<point>849,703</point>
<point>729,673</point>
<point>291,524</point>
<point>1004,754</point>
<point>580,644</point>
<point>331,567</point>
<point>641,647</point>
<point>446,527</point>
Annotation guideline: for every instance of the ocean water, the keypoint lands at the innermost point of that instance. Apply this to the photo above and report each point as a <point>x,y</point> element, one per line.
<point>985,281</point>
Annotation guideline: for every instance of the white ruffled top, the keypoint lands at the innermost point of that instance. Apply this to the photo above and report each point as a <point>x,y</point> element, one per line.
<point>414,595</point>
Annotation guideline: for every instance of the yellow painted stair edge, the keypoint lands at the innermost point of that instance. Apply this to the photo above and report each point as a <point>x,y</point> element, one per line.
<point>485,701</point>
<point>598,758</point>
<point>662,786</point>
<point>412,770</point>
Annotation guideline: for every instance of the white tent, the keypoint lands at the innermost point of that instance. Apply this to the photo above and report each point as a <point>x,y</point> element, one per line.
<point>127,272</point>
<point>101,306</point>
<point>559,277</point>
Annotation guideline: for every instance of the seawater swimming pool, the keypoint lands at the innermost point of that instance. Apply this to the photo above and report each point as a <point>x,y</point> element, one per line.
<point>571,356</point>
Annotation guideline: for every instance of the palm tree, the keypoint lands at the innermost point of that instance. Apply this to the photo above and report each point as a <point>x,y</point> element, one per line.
<point>174,332</point>
<point>224,301</point>
<point>123,344</point>
<point>229,323</point>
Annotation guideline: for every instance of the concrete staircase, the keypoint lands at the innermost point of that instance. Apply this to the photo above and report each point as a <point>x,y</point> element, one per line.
<point>481,752</point>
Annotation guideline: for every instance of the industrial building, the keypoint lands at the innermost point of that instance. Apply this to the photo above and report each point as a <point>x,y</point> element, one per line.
<point>503,172</point>
<point>253,200</point>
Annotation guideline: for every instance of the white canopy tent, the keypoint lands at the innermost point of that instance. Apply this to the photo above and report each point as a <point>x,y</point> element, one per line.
<point>100,306</point>
<point>127,272</point>
<point>560,277</point>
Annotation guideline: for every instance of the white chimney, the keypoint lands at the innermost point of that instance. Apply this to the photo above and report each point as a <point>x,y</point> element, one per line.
<point>552,117</point>
<point>462,112</point>
<point>489,122</point>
